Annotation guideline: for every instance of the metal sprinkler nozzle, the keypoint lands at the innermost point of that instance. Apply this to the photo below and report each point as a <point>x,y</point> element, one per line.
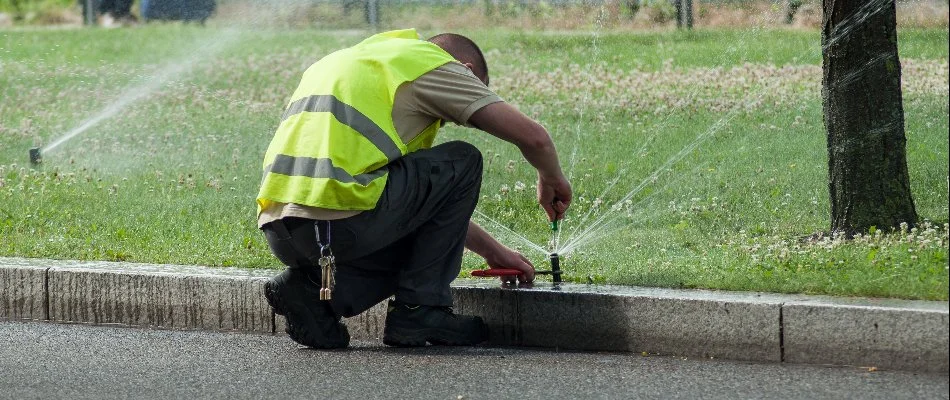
<point>556,268</point>
<point>35,157</point>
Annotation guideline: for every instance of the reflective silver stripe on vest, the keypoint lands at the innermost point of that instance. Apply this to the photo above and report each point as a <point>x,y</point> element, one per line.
<point>318,168</point>
<point>349,116</point>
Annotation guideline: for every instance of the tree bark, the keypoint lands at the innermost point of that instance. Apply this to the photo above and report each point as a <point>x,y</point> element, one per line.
<point>678,4</point>
<point>864,117</point>
<point>688,11</point>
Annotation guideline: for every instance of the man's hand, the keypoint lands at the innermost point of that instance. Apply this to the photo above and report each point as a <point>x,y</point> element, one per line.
<point>497,255</point>
<point>554,195</point>
<point>508,258</point>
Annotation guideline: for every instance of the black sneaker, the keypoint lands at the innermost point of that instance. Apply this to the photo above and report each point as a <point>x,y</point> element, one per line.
<point>310,321</point>
<point>411,326</point>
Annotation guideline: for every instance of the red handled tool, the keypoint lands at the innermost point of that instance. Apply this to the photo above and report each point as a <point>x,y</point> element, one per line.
<point>495,272</point>
<point>509,272</point>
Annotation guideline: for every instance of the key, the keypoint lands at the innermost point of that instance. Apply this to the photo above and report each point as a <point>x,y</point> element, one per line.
<point>325,268</point>
<point>331,276</point>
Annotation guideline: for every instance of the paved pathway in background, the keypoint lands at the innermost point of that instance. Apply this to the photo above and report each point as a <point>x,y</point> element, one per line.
<point>48,361</point>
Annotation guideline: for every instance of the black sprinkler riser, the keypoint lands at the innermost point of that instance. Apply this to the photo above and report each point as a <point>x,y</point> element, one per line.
<point>35,156</point>
<point>555,268</point>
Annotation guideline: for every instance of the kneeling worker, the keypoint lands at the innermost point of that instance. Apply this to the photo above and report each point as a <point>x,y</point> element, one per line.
<point>360,206</point>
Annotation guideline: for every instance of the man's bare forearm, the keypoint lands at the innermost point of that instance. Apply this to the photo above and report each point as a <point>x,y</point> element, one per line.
<point>480,242</point>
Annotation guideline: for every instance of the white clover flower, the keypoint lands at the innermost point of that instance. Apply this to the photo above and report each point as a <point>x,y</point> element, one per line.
<point>519,186</point>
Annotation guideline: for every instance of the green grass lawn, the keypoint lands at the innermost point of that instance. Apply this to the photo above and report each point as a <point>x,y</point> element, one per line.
<point>698,159</point>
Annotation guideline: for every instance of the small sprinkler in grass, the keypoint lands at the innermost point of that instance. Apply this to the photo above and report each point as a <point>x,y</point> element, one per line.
<point>35,157</point>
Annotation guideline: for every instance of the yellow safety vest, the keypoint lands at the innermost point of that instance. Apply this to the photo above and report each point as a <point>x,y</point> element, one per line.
<point>336,135</point>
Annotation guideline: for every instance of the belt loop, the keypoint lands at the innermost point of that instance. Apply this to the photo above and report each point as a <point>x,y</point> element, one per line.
<point>316,230</point>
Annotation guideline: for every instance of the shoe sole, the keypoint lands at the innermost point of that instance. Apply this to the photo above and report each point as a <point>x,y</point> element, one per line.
<point>296,333</point>
<point>405,337</point>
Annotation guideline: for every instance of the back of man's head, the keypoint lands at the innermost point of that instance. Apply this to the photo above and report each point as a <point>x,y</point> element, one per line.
<point>465,51</point>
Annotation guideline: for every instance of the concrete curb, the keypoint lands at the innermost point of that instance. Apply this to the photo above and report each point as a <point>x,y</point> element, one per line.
<point>887,334</point>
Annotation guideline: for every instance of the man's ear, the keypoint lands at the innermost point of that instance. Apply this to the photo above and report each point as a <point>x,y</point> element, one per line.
<point>471,67</point>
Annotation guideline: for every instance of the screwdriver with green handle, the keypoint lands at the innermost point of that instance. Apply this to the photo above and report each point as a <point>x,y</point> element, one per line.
<point>555,259</point>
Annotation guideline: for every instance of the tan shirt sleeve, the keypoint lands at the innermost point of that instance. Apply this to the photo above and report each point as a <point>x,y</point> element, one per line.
<point>451,93</point>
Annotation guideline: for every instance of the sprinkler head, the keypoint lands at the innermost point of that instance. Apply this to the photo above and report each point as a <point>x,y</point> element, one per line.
<point>35,157</point>
<point>556,268</point>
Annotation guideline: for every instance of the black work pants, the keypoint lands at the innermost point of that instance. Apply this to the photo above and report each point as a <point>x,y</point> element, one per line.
<point>409,246</point>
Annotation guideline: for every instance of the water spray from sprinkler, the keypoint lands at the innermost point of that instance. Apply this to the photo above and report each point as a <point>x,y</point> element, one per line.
<point>172,70</point>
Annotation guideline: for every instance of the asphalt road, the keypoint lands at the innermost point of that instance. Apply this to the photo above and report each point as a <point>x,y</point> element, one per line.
<point>49,361</point>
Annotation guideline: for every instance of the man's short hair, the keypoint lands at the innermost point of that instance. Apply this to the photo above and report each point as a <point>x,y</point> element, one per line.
<point>465,51</point>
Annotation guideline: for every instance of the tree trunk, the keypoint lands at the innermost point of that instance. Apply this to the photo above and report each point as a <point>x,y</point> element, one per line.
<point>864,117</point>
<point>371,12</point>
<point>678,4</point>
<point>688,10</point>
